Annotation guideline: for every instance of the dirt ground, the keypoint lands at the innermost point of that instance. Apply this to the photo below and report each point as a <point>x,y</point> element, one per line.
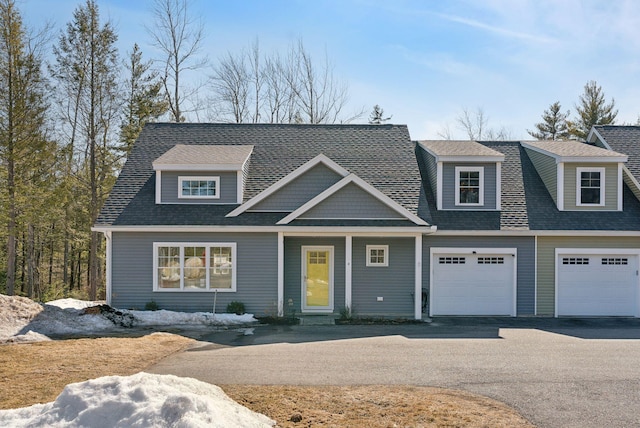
<point>37,373</point>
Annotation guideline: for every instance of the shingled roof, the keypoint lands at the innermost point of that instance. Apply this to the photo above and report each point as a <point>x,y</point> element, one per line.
<point>526,203</point>
<point>382,155</point>
<point>623,139</point>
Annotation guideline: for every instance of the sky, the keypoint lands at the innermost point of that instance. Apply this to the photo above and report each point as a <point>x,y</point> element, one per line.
<point>422,61</point>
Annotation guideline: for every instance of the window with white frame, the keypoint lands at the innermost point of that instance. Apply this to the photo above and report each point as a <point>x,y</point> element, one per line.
<point>194,267</point>
<point>590,186</point>
<point>199,187</point>
<point>469,185</point>
<point>378,255</point>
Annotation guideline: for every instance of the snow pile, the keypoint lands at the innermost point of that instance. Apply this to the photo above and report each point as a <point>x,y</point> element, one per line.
<point>22,320</point>
<point>139,400</point>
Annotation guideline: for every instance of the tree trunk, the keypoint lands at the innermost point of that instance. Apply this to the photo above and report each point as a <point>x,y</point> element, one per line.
<point>31,276</point>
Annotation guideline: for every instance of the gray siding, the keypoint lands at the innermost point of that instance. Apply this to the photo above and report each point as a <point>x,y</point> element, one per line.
<point>228,187</point>
<point>394,283</point>
<point>351,202</point>
<point>299,191</point>
<point>546,261</point>
<point>610,182</point>
<point>547,170</point>
<point>432,170</point>
<point>293,271</point>
<point>449,186</point>
<point>257,274</point>
<point>525,245</point>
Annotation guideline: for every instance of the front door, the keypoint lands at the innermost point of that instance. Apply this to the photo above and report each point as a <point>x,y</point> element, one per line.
<point>317,279</point>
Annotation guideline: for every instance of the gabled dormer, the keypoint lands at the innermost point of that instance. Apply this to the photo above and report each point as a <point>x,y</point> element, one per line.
<point>579,176</point>
<point>202,174</point>
<point>463,175</point>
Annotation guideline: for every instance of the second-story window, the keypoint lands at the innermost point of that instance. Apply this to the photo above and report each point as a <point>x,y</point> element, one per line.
<point>590,186</point>
<point>199,187</point>
<point>469,185</point>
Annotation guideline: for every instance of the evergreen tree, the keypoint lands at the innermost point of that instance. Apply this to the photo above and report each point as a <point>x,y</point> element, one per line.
<point>25,153</point>
<point>377,116</point>
<point>144,100</point>
<point>86,69</point>
<point>592,110</point>
<point>554,124</point>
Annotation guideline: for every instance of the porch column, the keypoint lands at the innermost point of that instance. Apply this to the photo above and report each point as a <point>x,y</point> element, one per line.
<point>109,263</point>
<point>348,240</point>
<point>418,278</point>
<point>280,274</point>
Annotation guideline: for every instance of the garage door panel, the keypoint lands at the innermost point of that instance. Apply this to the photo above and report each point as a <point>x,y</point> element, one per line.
<point>597,285</point>
<point>473,284</point>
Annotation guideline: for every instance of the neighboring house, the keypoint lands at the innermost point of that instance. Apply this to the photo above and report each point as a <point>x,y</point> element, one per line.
<point>304,218</point>
<point>318,219</point>
<point>529,228</point>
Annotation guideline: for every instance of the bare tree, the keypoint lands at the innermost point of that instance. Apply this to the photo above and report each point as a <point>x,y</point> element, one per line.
<point>179,37</point>
<point>230,83</point>
<point>473,123</point>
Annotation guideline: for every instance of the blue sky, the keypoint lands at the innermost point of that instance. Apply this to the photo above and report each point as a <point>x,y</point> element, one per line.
<point>424,61</point>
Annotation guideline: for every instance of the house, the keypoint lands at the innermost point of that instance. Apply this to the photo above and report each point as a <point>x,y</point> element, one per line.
<point>306,218</point>
<point>318,219</point>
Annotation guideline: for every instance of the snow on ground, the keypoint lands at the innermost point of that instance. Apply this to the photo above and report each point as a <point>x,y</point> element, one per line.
<point>116,401</point>
<point>143,400</point>
<point>23,320</point>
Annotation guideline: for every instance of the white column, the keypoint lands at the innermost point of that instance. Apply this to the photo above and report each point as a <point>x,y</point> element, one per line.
<point>109,263</point>
<point>280,274</point>
<point>418,278</point>
<point>348,250</point>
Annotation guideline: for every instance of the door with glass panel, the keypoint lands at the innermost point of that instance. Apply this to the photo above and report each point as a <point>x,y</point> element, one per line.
<point>317,279</point>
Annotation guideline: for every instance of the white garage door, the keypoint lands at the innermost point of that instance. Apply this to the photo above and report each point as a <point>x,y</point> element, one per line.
<point>597,284</point>
<point>473,284</point>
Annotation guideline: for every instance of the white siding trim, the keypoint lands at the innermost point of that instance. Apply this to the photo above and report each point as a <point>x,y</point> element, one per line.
<point>239,186</point>
<point>352,178</point>
<point>535,275</point>
<point>560,185</point>
<point>439,175</point>
<point>288,179</point>
<point>498,186</point>
<point>417,301</point>
<point>108,265</point>
<point>620,184</point>
<point>348,272</point>
<point>280,274</point>
<point>309,230</point>
<point>158,187</point>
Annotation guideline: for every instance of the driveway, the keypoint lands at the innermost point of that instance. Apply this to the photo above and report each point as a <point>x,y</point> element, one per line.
<point>557,373</point>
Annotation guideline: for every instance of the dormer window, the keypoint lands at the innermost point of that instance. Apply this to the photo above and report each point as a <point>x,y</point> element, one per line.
<point>469,185</point>
<point>198,187</point>
<point>590,183</point>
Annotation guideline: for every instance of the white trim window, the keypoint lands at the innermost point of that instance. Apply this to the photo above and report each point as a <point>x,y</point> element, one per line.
<point>469,186</point>
<point>377,255</point>
<point>198,187</point>
<point>194,266</point>
<point>590,186</point>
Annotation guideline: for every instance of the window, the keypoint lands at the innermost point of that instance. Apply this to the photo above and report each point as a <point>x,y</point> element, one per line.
<point>199,187</point>
<point>194,267</point>
<point>469,185</point>
<point>615,261</point>
<point>575,261</point>
<point>590,186</point>
<point>378,255</point>
<point>490,260</point>
<point>452,260</point>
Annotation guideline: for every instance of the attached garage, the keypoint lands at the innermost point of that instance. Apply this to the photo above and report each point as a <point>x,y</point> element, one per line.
<point>597,282</point>
<point>479,281</point>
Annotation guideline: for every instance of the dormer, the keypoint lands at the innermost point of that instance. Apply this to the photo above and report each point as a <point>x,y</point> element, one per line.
<point>202,174</point>
<point>464,175</point>
<point>579,176</point>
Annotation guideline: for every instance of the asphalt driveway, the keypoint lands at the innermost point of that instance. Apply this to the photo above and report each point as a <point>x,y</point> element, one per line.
<point>557,373</point>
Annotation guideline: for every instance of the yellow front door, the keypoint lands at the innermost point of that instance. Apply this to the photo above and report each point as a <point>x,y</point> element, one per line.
<point>317,284</point>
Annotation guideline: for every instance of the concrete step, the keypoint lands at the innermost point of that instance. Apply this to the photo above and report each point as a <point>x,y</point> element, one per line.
<point>317,319</point>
